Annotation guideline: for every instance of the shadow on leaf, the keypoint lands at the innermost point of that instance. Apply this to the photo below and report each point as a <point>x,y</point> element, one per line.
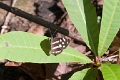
<point>45,45</point>
<point>91,74</point>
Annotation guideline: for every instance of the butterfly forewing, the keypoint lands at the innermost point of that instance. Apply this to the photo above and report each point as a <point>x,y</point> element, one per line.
<point>58,44</point>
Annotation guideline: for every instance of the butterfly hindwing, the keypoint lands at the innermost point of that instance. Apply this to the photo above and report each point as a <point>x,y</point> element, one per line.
<point>58,44</point>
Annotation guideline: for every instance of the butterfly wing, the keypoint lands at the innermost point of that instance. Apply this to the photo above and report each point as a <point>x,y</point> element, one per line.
<point>58,44</point>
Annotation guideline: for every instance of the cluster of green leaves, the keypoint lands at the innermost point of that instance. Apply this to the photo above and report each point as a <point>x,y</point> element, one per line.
<point>27,47</point>
<point>83,15</point>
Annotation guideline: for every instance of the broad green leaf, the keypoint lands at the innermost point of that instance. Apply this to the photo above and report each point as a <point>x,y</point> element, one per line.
<point>110,71</point>
<point>109,25</point>
<point>27,47</point>
<point>83,16</point>
<point>86,74</point>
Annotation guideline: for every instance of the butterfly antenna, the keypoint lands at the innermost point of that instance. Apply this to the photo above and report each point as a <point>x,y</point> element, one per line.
<point>52,35</point>
<point>54,32</point>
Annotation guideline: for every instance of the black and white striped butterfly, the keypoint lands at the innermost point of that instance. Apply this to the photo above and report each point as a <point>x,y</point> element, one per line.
<point>58,44</point>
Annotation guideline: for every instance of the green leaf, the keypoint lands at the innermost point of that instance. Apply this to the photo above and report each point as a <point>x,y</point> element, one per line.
<point>86,74</point>
<point>109,25</point>
<point>110,71</point>
<point>27,47</point>
<point>83,16</point>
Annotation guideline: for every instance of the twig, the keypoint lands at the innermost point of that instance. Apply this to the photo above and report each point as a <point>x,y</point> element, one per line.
<point>115,51</point>
<point>40,21</point>
<point>112,56</point>
<point>109,59</point>
<point>5,25</point>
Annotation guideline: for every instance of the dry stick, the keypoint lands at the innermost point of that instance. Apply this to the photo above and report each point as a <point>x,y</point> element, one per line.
<point>40,21</point>
<point>8,17</point>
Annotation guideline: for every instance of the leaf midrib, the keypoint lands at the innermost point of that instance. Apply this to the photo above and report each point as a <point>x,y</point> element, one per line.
<point>112,72</point>
<point>21,47</point>
<point>105,38</point>
<point>75,56</point>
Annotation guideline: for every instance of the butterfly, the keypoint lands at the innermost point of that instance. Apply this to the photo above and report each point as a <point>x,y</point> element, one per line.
<point>58,44</point>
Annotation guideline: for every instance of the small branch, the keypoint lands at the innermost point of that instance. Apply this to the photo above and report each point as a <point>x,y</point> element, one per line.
<point>40,21</point>
<point>5,26</point>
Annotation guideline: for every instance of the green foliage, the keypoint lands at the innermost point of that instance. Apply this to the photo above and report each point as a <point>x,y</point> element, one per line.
<point>109,25</point>
<point>82,14</point>
<point>26,47</point>
<point>110,71</point>
<point>86,74</point>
